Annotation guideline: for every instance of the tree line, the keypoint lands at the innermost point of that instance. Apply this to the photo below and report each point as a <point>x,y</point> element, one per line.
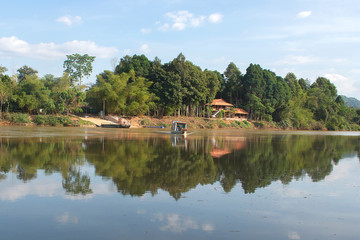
<point>139,86</point>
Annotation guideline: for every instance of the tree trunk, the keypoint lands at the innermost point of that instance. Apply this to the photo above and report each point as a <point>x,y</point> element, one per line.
<point>104,108</point>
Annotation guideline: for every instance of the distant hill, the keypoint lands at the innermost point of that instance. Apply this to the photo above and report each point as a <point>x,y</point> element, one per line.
<point>351,101</point>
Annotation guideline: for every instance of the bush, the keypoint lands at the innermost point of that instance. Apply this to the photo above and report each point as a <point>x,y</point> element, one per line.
<point>258,124</point>
<point>53,120</point>
<point>145,122</point>
<point>222,124</point>
<point>40,120</point>
<point>235,124</point>
<point>65,121</point>
<point>18,117</point>
<point>210,125</point>
<point>245,124</point>
<point>316,126</point>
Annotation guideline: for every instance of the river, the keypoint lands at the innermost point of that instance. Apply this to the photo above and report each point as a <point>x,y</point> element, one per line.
<point>93,183</point>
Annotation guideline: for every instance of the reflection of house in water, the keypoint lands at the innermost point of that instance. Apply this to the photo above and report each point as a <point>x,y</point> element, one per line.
<point>225,146</point>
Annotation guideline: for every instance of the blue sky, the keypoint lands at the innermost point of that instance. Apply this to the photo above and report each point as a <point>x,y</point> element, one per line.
<point>310,38</point>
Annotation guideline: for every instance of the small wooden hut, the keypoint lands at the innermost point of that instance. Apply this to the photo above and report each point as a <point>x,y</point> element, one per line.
<point>229,110</point>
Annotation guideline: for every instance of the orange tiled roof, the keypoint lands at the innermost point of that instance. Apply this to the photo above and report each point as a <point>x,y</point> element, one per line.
<point>221,102</point>
<point>240,111</point>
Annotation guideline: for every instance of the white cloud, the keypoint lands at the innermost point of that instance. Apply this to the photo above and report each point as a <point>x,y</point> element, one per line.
<point>215,18</point>
<point>293,236</point>
<point>14,46</point>
<point>127,51</point>
<point>340,171</point>
<point>181,20</point>
<point>208,227</point>
<point>178,224</point>
<point>344,85</point>
<point>304,14</point>
<point>145,49</point>
<point>296,60</point>
<point>164,27</point>
<point>69,20</point>
<point>67,218</point>
<point>18,191</point>
<point>145,30</point>
<point>41,187</point>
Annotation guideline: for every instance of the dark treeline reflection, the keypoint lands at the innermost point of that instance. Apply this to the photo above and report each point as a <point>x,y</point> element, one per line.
<point>137,165</point>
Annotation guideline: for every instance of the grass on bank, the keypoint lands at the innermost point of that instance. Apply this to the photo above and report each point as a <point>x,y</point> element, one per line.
<point>44,120</point>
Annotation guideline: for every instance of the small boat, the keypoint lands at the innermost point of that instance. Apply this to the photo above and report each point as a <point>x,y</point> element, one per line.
<point>178,127</point>
<point>114,126</point>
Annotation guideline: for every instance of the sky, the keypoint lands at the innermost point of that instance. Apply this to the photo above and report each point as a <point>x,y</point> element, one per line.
<point>310,38</point>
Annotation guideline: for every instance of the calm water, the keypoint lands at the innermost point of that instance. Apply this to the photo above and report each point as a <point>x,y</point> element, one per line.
<point>73,183</point>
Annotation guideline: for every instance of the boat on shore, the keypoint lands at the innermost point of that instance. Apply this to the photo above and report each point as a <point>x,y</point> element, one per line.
<point>178,127</point>
<point>114,126</point>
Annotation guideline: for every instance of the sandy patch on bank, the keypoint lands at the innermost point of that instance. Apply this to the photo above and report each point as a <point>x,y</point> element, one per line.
<point>96,121</point>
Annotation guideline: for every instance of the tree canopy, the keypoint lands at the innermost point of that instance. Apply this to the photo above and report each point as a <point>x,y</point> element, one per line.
<point>78,66</point>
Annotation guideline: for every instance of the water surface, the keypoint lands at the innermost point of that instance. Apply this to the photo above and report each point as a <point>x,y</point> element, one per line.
<point>78,183</point>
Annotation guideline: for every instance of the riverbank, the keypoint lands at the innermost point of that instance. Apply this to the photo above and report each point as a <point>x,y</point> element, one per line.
<point>20,119</point>
<point>16,119</point>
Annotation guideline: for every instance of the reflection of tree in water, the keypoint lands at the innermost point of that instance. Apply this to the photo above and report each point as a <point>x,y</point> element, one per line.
<point>26,156</point>
<point>2,176</point>
<point>76,183</point>
<point>139,165</point>
<point>284,158</point>
<point>146,165</point>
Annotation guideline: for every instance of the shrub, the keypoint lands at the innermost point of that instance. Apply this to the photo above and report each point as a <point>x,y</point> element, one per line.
<point>18,117</point>
<point>245,124</point>
<point>316,126</point>
<point>53,120</point>
<point>222,124</point>
<point>258,124</point>
<point>145,122</point>
<point>234,124</point>
<point>40,120</point>
<point>65,121</point>
<point>210,125</point>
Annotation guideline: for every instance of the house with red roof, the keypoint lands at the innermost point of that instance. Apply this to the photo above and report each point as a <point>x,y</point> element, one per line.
<point>228,109</point>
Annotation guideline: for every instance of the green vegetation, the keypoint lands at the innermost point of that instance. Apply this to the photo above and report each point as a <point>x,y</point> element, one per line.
<point>17,117</point>
<point>139,86</point>
<point>53,120</point>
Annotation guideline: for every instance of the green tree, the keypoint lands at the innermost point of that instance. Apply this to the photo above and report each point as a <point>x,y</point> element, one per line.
<point>5,90</point>
<point>70,100</point>
<point>25,71</point>
<point>193,84</point>
<point>254,82</point>
<point>107,93</point>
<point>78,66</point>
<point>167,87</point>
<point>139,100</point>
<point>321,99</point>
<point>233,85</point>
<point>31,95</point>
<point>139,63</point>
<point>2,71</point>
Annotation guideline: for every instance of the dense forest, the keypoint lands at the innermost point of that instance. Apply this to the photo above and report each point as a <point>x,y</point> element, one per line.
<point>139,86</point>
